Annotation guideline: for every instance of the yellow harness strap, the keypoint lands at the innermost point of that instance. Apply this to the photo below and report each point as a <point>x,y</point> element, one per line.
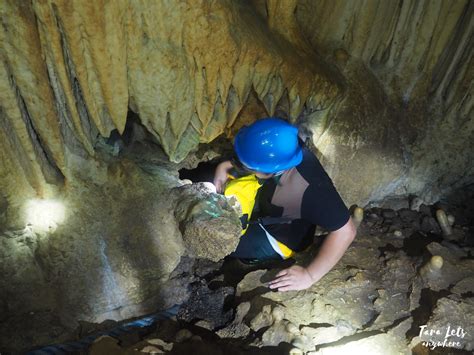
<point>287,252</point>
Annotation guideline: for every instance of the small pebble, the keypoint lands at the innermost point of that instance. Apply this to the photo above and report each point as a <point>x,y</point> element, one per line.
<point>359,277</point>
<point>341,56</point>
<point>398,233</point>
<point>358,216</point>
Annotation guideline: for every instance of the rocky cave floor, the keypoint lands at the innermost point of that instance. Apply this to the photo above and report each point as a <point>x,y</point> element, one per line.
<point>373,302</point>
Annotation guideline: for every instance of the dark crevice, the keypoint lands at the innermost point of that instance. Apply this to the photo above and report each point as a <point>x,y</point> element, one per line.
<point>371,321</point>
<point>350,338</point>
<point>64,114</point>
<point>443,64</point>
<point>15,144</point>
<point>48,166</point>
<point>87,125</point>
<point>139,143</point>
<point>388,248</point>
<point>62,109</point>
<point>416,244</point>
<point>362,334</point>
<point>250,295</point>
<point>422,313</point>
<point>396,323</point>
<point>317,325</point>
<point>204,172</point>
<point>256,334</point>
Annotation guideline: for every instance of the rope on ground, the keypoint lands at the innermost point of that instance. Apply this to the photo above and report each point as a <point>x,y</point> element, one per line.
<point>84,343</point>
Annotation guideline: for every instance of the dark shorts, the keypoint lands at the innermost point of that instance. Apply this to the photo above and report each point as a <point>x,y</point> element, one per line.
<point>254,244</point>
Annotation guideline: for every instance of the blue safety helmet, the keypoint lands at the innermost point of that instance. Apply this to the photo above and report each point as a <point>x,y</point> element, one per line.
<point>268,145</point>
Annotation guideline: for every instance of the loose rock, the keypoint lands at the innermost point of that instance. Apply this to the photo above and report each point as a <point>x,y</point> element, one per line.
<point>183,335</point>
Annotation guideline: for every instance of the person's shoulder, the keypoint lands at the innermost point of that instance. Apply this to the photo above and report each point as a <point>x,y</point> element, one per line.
<point>311,169</point>
<point>309,157</point>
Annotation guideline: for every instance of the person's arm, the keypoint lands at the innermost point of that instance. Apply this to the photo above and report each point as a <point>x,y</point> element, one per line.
<point>220,175</point>
<point>332,250</point>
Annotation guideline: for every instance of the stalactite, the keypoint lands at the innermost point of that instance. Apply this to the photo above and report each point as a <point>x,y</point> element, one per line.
<point>166,62</point>
<point>188,70</point>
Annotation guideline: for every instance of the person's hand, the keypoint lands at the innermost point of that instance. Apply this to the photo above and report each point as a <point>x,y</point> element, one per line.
<point>292,279</point>
<point>220,175</point>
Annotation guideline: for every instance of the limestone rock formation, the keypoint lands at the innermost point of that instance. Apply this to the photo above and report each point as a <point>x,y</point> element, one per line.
<point>70,71</point>
<point>372,301</point>
<point>112,257</point>
<point>419,52</point>
<point>210,227</point>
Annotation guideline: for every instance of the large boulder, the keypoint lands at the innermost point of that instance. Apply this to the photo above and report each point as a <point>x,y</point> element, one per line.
<point>210,226</point>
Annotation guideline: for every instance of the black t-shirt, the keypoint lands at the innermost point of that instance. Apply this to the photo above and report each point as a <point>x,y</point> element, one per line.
<point>305,195</point>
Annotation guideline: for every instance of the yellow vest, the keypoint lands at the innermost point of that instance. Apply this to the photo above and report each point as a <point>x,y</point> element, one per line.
<point>245,190</point>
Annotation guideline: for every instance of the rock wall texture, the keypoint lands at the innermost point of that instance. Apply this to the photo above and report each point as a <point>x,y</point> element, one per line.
<point>414,47</point>
<point>420,54</point>
<point>210,226</point>
<point>71,70</point>
<point>111,257</point>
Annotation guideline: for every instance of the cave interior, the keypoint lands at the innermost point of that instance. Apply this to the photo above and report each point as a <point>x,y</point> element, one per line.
<point>114,114</point>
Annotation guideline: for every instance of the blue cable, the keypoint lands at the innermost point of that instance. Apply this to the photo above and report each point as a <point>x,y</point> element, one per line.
<point>84,343</point>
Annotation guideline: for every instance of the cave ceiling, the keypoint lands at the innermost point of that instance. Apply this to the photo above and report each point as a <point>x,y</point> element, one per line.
<point>72,70</point>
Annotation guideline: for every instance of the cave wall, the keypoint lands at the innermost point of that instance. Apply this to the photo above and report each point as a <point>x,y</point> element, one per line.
<point>385,89</point>
<point>414,47</point>
<point>420,53</point>
<point>71,70</point>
